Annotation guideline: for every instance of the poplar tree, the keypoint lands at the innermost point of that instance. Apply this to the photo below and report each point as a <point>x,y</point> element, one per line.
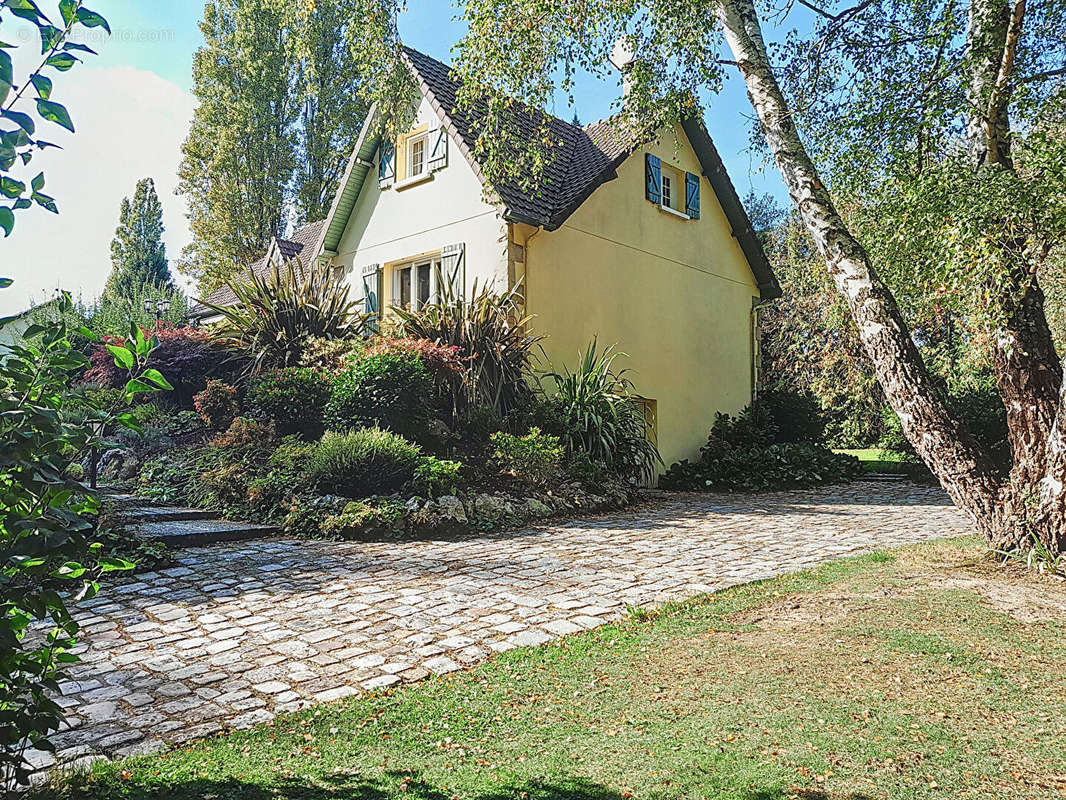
<point>138,255</point>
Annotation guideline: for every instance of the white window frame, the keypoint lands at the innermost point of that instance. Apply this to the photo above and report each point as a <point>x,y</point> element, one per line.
<point>665,194</point>
<point>434,264</point>
<point>411,142</point>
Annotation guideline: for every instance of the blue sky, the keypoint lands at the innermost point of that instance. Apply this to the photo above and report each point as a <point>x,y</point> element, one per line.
<point>132,105</point>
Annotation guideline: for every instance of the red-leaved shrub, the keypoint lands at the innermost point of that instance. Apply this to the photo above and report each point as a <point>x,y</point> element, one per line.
<point>187,357</point>
<point>443,362</point>
<point>217,404</point>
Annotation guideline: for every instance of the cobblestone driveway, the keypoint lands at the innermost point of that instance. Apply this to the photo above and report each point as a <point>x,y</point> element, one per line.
<point>234,633</point>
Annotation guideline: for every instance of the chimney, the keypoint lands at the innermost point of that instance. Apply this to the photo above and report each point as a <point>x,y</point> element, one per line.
<point>622,58</point>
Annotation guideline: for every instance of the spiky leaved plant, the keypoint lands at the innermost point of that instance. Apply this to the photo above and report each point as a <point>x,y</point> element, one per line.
<point>494,343</point>
<point>276,314</point>
<point>603,416</point>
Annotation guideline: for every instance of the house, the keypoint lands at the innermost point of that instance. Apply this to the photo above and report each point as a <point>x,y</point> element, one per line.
<point>13,328</point>
<point>301,245</point>
<point>647,247</point>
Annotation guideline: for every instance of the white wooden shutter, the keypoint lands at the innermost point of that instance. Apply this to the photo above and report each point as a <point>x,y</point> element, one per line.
<point>438,146</point>
<point>371,274</point>
<point>453,270</point>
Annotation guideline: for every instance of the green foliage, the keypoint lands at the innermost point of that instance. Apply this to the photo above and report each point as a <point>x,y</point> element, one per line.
<point>138,255</point>
<point>796,416</point>
<point>363,462</point>
<point>602,416</point>
<point>294,398</point>
<point>390,389</point>
<point>217,404</point>
<point>741,454</point>
<point>278,313</point>
<point>26,97</point>
<point>278,114</point>
<point>363,517</point>
<point>492,340</point>
<point>331,355</point>
<point>46,521</point>
<point>436,478</point>
<point>535,457</point>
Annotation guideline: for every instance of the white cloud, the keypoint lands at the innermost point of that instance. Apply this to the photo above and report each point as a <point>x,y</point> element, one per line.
<point>130,125</point>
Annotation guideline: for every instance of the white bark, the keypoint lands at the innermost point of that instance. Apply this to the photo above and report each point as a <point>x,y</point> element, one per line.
<point>942,443</point>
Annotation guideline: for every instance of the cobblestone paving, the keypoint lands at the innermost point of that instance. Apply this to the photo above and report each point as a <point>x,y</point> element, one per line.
<point>234,633</point>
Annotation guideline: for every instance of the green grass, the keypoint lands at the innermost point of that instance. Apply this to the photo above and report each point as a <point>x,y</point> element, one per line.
<point>875,459</point>
<point>874,677</point>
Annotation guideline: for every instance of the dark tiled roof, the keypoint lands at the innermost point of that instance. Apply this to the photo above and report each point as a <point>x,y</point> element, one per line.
<point>301,244</point>
<point>584,159</point>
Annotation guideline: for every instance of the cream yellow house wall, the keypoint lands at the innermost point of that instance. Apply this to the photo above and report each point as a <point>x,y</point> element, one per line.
<point>393,225</point>
<point>675,295</point>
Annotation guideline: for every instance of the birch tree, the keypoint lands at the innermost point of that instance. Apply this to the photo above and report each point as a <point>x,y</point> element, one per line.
<point>531,50</point>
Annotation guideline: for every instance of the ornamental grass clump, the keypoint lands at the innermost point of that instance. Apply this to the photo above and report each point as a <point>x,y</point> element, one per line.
<point>492,338</point>
<point>363,462</point>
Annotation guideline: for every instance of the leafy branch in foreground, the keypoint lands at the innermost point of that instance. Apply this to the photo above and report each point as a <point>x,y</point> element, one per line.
<point>18,129</point>
<point>48,561</point>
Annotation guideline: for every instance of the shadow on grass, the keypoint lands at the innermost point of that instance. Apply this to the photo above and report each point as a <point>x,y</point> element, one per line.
<point>391,785</point>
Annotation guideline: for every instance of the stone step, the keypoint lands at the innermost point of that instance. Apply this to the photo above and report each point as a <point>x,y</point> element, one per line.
<point>883,477</point>
<point>121,500</point>
<point>165,514</point>
<point>190,533</point>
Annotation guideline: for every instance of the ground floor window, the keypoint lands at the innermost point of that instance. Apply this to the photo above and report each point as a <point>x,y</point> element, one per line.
<point>415,284</point>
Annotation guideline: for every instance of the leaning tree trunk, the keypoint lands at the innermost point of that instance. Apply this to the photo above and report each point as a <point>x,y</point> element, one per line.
<point>945,445</point>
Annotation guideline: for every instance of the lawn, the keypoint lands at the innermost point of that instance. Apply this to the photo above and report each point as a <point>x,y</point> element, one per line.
<point>929,672</point>
<point>874,459</point>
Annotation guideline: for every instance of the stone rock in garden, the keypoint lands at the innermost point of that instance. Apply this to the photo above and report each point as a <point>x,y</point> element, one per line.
<point>492,509</point>
<point>451,509</point>
<point>535,508</point>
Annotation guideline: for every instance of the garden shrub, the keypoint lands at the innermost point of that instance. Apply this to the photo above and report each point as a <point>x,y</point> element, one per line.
<point>603,417</point>
<point>294,398</point>
<point>363,462</point>
<point>187,356</point>
<point>796,416</point>
<point>364,517</point>
<point>436,478</point>
<point>741,455</point>
<point>217,404</point>
<point>493,341</point>
<point>390,390</point>
<point>536,457</point>
<point>282,479</point>
<point>331,355</point>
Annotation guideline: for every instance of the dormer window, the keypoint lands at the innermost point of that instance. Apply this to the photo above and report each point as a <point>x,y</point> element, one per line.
<point>416,155</point>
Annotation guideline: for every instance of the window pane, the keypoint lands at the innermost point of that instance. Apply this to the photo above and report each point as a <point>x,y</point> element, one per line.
<point>418,156</point>
<point>405,287</point>
<point>668,194</point>
<point>423,284</point>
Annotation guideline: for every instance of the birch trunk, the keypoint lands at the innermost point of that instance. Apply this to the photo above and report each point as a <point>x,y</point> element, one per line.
<point>1028,370</point>
<point>943,443</point>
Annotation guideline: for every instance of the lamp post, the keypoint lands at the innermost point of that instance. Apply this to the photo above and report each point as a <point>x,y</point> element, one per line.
<point>157,308</point>
<point>97,429</point>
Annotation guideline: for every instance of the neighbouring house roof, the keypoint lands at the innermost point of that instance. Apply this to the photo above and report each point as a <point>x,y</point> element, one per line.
<point>302,244</point>
<point>586,158</point>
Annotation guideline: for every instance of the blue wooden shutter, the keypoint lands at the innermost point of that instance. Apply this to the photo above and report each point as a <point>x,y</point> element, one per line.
<point>653,178</point>
<point>692,195</point>
<point>387,164</point>
<point>438,147</point>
